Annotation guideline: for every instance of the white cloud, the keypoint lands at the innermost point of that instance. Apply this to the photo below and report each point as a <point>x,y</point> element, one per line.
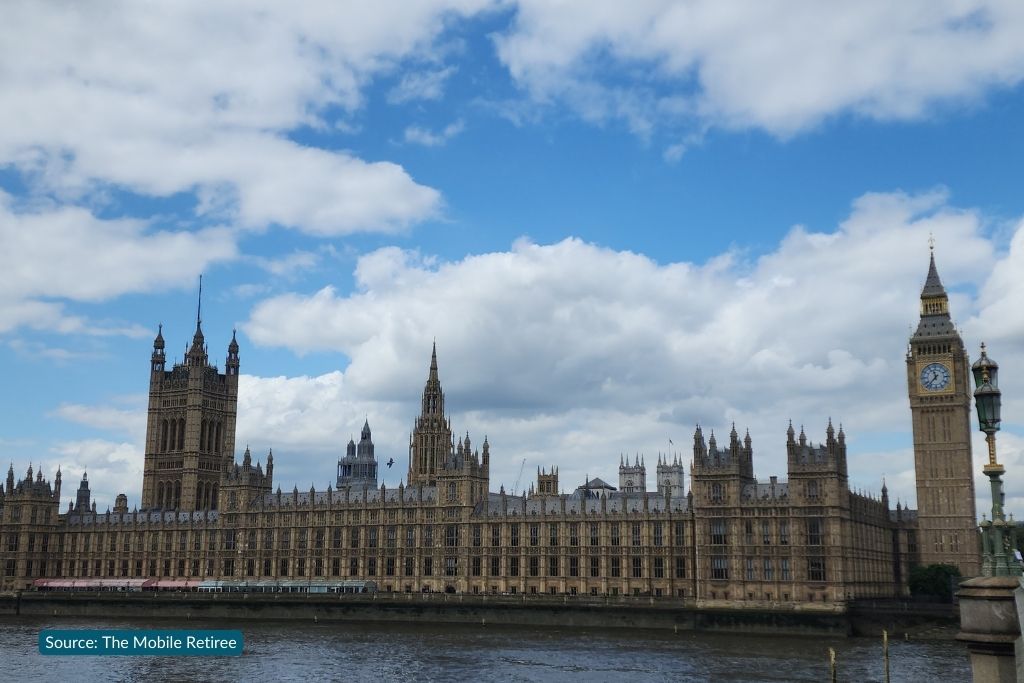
<point>421,85</point>
<point>571,353</point>
<point>780,66</point>
<point>121,421</point>
<point>67,253</point>
<point>192,97</point>
<point>421,136</point>
<point>112,467</point>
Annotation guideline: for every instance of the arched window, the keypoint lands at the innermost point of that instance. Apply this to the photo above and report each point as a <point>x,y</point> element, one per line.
<point>202,436</point>
<point>181,434</point>
<point>177,494</point>
<point>219,444</point>
<point>159,494</point>
<point>213,497</point>
<point>163,436</point>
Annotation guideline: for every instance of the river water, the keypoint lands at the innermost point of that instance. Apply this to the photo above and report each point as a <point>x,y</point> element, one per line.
<point>292,651</point>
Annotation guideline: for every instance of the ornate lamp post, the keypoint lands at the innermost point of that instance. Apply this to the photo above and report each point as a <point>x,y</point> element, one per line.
<point>988,400</point>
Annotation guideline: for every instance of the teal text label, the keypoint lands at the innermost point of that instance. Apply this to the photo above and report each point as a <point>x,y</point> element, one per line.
<point>152,642</point>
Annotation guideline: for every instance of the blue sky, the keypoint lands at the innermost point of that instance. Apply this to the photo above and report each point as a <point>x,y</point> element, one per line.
<point>617,220</point>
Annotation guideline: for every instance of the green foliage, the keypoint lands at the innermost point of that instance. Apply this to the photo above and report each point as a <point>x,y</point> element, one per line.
<point>935,580</point>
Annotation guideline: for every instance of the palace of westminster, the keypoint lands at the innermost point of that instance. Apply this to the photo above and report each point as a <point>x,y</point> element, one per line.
<point>730,540</point>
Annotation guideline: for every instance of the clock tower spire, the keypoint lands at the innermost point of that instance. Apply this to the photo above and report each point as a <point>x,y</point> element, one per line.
<point>938,382</point>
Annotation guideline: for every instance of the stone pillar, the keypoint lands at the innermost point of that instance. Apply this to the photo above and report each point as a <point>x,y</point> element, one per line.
<point>990,627</point>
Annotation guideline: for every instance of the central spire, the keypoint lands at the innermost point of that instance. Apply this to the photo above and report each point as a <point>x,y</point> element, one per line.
<point>433,364</point>
<point>932,285</point>
<point>935,320</point>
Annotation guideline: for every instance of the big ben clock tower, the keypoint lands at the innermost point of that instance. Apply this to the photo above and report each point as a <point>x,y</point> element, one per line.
<point>938,381</point>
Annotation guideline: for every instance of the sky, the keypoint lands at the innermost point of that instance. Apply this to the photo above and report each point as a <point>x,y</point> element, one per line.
<point>617,220</point>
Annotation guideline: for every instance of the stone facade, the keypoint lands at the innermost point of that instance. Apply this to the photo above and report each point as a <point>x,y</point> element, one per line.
<point>939,386</point>
<point>730,540</point>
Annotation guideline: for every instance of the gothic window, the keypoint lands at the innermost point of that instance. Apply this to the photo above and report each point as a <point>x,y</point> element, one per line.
<point>495,535</point>
<point>718,532</point>
<point>637,567</point>
<point>751,572</point>
<point>181,434</point>
<point>513,566</point>
<point>553,565</point>
<point>814,531</point>
<point>451,536</point>
<point>477,538</point>
<point>766,532</point>
<point>428,536</point>
<point>354,537</point>
<point>428,566</point>
<point>784,532</point>
<point>659,536</point>
<point>815,569</point>
<point>513,539</point>
<point>784,568</point>
<point>636,534</point>
<point>371,537</point>
<point>553,534</point>
<point>410,537</point>
<point>163,436</point>
<point>574,566</point>
<point>534,534</point>
<point>594,533</point>
<point>719,567</point>
<point>371,566</point>
<point>574,534</point>
<point>748,532</point>
<point>680,567</point>
<point>767,569</point>
<point>717,493</point>
<point>595,566</point>
<point>495,566</point>
<point>452,492</point>
<point>615,537</point>
<point>812,490</point>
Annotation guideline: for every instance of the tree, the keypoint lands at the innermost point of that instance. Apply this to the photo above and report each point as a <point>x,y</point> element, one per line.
<point>934,580</point>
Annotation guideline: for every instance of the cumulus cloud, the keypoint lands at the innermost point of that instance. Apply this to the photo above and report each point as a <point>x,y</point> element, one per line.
<point>778,66</point>
<point>68,254</point>
<point>112,467</point>
<point>572,353</point>
<point>122,96</point>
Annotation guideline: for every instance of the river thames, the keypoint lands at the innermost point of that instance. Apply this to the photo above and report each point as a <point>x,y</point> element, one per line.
<point>413,652</point>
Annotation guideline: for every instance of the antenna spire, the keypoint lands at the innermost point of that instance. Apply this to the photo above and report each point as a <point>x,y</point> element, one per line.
<point>199,308</point>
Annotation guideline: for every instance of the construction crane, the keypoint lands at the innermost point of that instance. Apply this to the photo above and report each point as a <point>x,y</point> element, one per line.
<point>516,485</point>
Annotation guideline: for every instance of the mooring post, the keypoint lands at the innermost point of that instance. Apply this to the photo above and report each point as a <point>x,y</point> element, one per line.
<point>885,653</point>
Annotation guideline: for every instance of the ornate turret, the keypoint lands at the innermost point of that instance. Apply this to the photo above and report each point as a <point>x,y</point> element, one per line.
<point>82,498</point>
<point>158,359</point>
<point>232,363</point>
<point>359,466</point>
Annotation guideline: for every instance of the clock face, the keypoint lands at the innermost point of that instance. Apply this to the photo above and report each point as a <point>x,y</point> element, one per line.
<point>935,377</point>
